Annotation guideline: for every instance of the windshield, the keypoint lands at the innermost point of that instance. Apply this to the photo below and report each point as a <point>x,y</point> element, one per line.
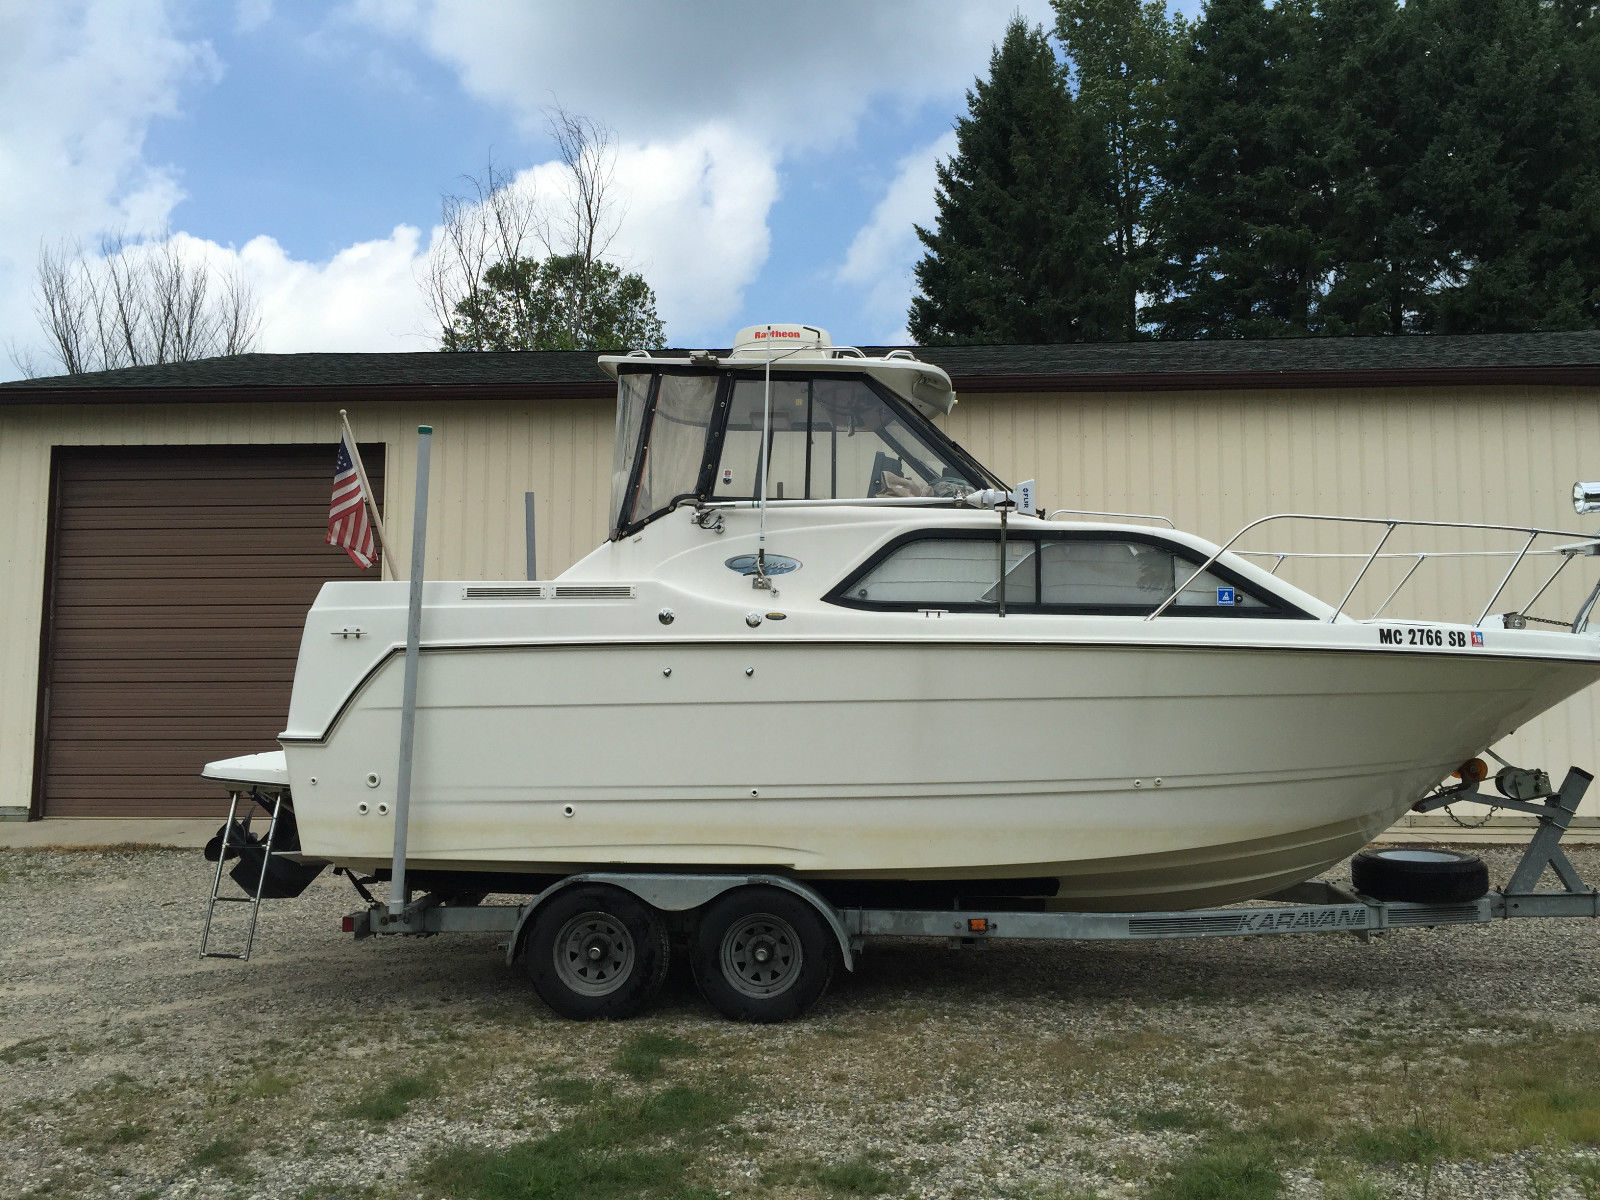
<point>834,437</point>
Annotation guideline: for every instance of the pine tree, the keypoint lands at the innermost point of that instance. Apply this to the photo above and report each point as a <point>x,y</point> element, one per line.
<point>1508,91</point>
<point>1122,54</point>
<point>1243,206</point>
<point>1020,251</point>
<point>1378,238</point>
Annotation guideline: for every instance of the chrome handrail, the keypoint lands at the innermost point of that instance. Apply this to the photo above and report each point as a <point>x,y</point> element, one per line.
<point>1389,524</point>
<point>1095,512</point>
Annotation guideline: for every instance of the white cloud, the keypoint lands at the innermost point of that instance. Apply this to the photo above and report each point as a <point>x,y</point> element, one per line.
<point>365,298</point>
<point>251,15</point>
<point>693,222</point>
<point>790,76</point>
<point>80,84</point>
<point>885,249</point>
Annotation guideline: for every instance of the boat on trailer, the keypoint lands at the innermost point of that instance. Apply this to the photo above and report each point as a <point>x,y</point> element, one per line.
<point>824,646</point>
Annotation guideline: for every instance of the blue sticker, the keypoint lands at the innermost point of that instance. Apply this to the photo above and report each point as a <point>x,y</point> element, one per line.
<point>1226,596</point>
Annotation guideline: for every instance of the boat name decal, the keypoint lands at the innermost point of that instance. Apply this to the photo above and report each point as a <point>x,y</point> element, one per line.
<point>1455,639</point>
<point>776,564</point>
<point>1302,921</point>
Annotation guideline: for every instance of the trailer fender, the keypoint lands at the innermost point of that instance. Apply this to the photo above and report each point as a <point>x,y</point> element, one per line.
<point>679,893</point>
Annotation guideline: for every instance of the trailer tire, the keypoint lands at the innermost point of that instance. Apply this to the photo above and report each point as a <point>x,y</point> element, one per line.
<point>595,952</point>
<point>1419,876</point>
<point>762,954</point>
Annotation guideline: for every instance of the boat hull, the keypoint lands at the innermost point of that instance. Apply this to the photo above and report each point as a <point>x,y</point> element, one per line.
<point>1139,776</point>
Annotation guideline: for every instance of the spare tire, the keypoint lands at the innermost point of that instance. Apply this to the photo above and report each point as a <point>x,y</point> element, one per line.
<point>1419,875</point>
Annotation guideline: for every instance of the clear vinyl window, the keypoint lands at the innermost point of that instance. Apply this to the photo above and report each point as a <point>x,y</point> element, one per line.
<point>832,439</point>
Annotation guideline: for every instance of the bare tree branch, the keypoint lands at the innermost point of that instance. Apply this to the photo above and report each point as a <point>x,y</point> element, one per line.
<point>497,221</point>
<point>139,302</point>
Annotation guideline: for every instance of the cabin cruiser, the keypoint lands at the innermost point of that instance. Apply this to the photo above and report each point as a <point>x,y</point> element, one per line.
<point>824,642</point>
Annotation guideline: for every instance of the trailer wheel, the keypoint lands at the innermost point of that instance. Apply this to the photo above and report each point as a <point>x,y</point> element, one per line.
<point>761,954</point>
<point>1419,876</point>
<point>595,952</point>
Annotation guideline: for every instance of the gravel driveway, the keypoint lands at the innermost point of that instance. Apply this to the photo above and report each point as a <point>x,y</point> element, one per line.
<point>1455,1062</point>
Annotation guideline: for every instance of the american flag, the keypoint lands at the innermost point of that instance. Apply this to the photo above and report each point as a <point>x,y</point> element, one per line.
<point>348,525</point>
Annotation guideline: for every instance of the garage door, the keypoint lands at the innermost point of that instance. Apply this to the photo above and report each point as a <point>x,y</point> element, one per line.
<point>180,583</point>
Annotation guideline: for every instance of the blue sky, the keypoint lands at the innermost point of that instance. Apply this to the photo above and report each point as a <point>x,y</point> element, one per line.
<point>770,159</point>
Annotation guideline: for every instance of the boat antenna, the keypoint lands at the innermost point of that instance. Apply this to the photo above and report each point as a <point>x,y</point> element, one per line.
<point>761,581</point>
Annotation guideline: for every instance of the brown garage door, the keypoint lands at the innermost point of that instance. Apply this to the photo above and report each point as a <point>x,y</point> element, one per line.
<point>180,583</point>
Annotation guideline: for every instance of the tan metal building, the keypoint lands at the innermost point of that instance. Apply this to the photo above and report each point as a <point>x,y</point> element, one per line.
<point>165,523</point>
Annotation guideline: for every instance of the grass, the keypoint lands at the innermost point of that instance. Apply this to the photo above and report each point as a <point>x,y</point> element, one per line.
<point>645,1056</point>
<point>643,1146</point>
<point>1242,1170</point>
<point>268,1086</point>
<point>25,1050</point>
<point>1180,1120</point>
<point>392,1100</point>
<point>225,1155</point>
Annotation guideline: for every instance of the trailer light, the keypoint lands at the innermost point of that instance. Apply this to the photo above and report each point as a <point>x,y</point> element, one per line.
<point>348,925</point>
<point>977,924</point>
<point>1474,770</point>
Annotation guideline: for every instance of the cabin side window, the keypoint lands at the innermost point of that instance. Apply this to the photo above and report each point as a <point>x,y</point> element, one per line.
<point>1118,575</point>
<point>1066,573</point>
<point>936,573</point>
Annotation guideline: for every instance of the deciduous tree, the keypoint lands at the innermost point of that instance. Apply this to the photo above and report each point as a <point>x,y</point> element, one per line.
<point>138,302</point>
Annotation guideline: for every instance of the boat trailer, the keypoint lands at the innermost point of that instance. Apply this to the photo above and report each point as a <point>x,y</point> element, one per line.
<point>1312,907</point>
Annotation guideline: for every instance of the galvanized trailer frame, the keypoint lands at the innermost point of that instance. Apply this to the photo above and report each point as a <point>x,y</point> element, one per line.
<point>1314,907</point>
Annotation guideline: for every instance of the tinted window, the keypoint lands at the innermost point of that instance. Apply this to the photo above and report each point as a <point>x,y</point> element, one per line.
<point>1084,574</point>
<point>934,572</point>
<point>1108,574</point>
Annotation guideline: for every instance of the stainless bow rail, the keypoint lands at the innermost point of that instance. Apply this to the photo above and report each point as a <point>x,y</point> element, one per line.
<point>1585,545</point>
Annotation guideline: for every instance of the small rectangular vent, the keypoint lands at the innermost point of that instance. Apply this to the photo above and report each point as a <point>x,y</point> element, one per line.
<point>594,591</point>
<point>503,591</point>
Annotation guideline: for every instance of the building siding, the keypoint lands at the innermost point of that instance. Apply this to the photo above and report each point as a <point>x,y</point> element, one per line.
<point>1210,460</point>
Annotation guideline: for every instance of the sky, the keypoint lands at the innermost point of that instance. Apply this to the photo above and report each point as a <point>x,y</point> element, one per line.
<point>770,160</point>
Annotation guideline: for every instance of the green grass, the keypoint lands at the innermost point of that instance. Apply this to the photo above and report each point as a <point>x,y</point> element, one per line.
<point>223,1154</point>
<point>858,1176</point>
<point>1240,1171</point>
<point>645,1055</point>
<point>1181,1120</point>
<point>571,1092</point>
<point>23,1051</point>
<point>393,1099</point>
<point>617,1149</point>
<point>267,1086</point>
<point>128,1133</point>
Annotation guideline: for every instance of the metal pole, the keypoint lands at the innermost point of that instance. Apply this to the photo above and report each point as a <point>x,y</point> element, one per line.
<point>528,526</point>
<point>408,691</point>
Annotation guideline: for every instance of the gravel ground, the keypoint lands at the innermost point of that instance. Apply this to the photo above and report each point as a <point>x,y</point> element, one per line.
<point>1454,1062</point>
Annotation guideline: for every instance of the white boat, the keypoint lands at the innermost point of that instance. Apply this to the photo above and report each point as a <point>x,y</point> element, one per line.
<point>858,659</point>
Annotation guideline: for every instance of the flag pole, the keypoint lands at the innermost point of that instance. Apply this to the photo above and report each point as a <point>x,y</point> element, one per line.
<point>371,501</point>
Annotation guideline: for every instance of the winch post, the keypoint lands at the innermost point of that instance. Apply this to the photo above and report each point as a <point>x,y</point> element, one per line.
<point>408,692</point>
<point>1544,848</point>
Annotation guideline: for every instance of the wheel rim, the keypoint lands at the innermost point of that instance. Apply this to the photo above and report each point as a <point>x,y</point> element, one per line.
<point>761,955</point>
<point>1420,856</point>
<point>594,954</point>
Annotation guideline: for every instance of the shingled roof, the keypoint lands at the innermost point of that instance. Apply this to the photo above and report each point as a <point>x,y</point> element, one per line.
<point>1559,358</point>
